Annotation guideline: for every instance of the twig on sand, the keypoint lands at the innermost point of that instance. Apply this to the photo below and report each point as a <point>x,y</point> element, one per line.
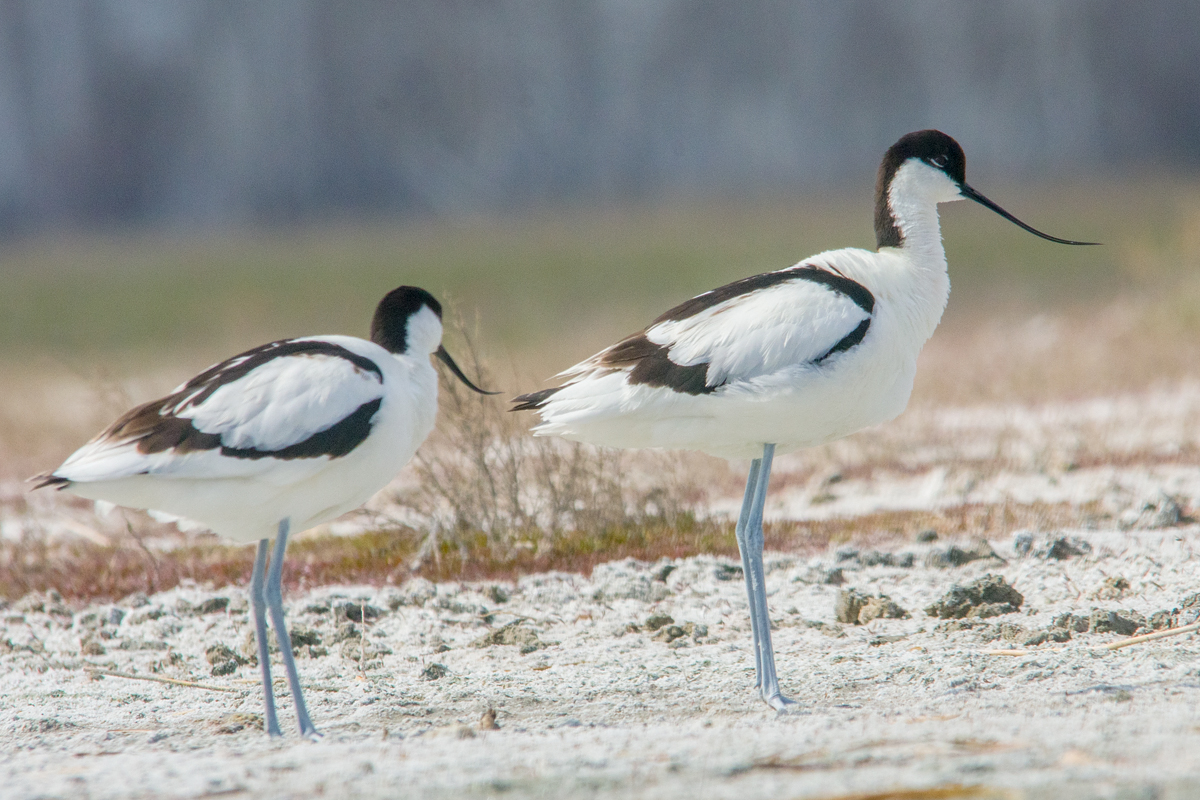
<point>1150,636</point>
<point>174,682</point>
<point>1146,637</point>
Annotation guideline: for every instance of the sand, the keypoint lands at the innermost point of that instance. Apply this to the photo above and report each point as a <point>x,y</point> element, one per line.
<point>594,697</point>
<point>637,681</point>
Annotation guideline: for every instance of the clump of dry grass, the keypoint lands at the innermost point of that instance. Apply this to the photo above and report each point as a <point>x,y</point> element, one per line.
<point>487,487</point>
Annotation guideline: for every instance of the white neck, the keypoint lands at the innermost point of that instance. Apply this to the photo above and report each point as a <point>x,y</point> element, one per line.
<point>913,195</point>
<point>424,333</point>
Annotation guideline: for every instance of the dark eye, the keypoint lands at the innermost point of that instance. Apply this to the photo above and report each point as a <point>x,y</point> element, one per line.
<point>939,161</point>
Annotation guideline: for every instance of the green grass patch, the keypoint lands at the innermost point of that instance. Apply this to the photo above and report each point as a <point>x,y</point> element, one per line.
<point>554,281</point>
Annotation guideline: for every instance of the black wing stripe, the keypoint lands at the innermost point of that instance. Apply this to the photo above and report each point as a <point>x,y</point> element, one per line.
<point>649,364</point>
<point>180,436</point>
<point>849,340</point>
<point>858,293</point>
<point>533,400</point>
<point>335,441</point>
<point>201,387</point>
<point>156,426</point>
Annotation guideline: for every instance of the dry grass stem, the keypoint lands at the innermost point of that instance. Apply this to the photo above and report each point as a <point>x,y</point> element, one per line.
<point>171,681</point>
<point>484,483</point>
<point>1149,637</point>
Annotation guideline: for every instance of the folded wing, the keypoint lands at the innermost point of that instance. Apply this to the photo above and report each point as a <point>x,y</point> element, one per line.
<point>803,315</point>
<point>296,401</point>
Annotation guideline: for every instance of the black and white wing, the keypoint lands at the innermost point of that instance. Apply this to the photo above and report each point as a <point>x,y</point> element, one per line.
<point>292,400</point>
<point>800,316</point>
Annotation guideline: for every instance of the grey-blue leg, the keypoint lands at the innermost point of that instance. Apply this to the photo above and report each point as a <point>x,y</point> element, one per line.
<point>747,569</point>
<point>258,601</point>
<point>274,595</point>
<point>750,543</point>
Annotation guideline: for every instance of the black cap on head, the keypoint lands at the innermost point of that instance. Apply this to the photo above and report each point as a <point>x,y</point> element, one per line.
<point>942,153</point>
<point>389,327</point>
<point>933,147</point>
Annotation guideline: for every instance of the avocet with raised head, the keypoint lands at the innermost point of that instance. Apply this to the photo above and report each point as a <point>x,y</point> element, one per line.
<point>783,360</point>
<point>276,440</point>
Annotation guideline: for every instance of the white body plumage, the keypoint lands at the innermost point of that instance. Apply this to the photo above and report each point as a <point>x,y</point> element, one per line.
<point>279,404</point>
<point>771,375</point>
<point>301,429</point>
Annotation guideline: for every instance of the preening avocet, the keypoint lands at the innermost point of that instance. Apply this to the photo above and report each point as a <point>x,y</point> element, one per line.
<point>276,440</point>
<point>783,360</point>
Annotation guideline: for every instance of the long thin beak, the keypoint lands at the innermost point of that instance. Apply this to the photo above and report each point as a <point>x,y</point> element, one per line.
<point>458,373</point>
<point>971,194</point>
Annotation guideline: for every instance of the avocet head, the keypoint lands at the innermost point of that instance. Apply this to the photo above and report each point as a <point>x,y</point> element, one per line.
<point>929,166</point>
<point>408,321</point>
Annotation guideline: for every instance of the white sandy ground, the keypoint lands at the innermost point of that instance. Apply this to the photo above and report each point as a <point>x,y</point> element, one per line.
<point>603,711</point>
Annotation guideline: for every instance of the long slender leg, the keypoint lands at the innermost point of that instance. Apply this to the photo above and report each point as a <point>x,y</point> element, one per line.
<point>274,595</point>
<point>258,602</point>
<point>756,586</point>
<point>744,550</point>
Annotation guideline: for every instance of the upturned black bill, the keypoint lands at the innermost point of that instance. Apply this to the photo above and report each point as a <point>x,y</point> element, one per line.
<point>971,194</point>
<point>458,373</point>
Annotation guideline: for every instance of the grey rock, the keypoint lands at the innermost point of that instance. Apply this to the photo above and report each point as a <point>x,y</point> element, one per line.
<point>1063,548</point>
<point>858,609</point>
<point>515,633</point>
<point>832,577</point>
<point>656,621</point>
<point>849,602</point>
<point>881,607</point>
<point>873,558</point>
<point>988,596</point>
<point>358,650</point>
<point>1162,620</point>
<point>1113,588</point>
<point>223,659</point>
<point>434,672</point>
<point>670,633</point>
<point>1072,622</point>
<point>212,605</point>
<point>986,610</point>
<point>92,646</point>
<point>727,572</point>
<point>955,556</point>
<point>1159,511</point>
<point>359,612</point>
<point>1124,623</point>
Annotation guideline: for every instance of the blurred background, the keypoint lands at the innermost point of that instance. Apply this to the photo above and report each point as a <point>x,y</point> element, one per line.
<point>182,180</point>
<point>214,113</point>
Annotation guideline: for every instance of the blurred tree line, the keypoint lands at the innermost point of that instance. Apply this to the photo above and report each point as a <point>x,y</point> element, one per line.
<point>227,112</point>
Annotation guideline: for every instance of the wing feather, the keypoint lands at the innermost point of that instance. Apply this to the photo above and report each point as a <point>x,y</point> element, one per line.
<point>295,402</point>
<point>747,329</point>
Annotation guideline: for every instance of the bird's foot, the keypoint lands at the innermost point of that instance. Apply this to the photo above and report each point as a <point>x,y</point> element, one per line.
<point>778,701</point>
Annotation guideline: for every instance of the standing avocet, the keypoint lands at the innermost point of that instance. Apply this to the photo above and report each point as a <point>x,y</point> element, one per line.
<point>276,440</point>
<point>783,360</point>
